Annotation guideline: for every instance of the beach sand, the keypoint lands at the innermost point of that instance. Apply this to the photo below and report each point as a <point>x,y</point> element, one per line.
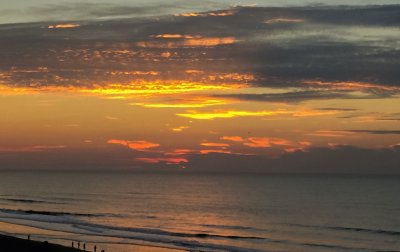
<point>22,231</point>
<point>13,244</point>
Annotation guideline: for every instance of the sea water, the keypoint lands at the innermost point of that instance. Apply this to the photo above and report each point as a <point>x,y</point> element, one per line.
<point>203,212</point>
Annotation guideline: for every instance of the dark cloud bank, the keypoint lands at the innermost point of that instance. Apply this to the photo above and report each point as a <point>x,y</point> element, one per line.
<point>338,160</point>
<point>281,46</point>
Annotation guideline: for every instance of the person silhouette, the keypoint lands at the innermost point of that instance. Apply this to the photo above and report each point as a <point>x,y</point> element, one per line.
<point>29,237</point>
<point>79,245</point>
<point>72,245</point>
<point>95,248</point>
<point>84,247</point>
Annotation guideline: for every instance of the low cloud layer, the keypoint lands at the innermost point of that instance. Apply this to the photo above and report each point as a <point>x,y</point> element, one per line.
<point>337,160</point>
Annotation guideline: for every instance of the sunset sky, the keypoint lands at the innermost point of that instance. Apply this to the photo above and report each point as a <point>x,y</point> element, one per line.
<point>225,86</point>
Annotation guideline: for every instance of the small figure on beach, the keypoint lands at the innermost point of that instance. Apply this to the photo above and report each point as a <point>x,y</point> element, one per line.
<point>29,237</point>
<point>84,247</point>
<point>72,245</point>
<point>95,248</point>
<point>79,245</point>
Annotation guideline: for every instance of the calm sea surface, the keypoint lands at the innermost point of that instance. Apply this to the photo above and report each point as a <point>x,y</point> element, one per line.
<point>203,212</point>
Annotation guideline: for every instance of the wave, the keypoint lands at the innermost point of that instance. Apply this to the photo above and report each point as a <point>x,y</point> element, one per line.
<point>354,229</point>
<point>375,231</point>
<point>232,227</point>
<point>163,232</point>
<point>29,201</point>
<point>72,223</point>
<point>50,213</point>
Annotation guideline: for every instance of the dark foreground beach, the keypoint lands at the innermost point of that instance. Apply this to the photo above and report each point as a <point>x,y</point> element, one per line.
<point>12,244</point>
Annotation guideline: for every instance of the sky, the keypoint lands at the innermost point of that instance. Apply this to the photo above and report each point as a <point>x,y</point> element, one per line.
<point>221,86</point>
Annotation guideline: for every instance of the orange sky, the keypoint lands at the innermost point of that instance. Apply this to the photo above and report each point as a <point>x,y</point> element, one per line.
<point>167,97</point>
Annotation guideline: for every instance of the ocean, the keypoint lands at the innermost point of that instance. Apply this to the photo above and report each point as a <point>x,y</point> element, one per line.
<point>117,211</point>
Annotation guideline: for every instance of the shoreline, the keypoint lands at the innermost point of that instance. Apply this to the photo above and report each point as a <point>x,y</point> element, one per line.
<point>11,244</point>
<point>19,234</point>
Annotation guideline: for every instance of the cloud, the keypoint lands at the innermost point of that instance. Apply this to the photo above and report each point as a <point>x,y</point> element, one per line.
<point>233,138</point>
<point>30,148</point>
<point>211,144</point>
<point>166,160</point>
<point>284,20</point>
<point>227,114</point>
<point>336,160</point>
<point>63,26</point>
<point>339,160</point>
<point>377,132</point>
<point>337,48</point>
<point>139,145</point>
<point>224,114</point>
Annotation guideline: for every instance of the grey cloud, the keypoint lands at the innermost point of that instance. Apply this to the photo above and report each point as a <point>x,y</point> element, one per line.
<point>86,55</point>
<point>340,160</point>
<point>377,132</point>
<point>300,96</point>
<point>297,96</point>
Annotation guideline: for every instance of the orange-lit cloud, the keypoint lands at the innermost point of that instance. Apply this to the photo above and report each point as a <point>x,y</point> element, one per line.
<point>242,113</point>
<point>185,103</point>
<point>136,73</point>
<point>63,26</point>
<point>215,151</point>
<point>232,76</point>
<point>166,160</point>
<point>284,20</point>
<point>210,144</point>
<point>352,86</point>
<point>135,145</point>
<point>208,14</point>
<point>156,88</point>
<point>192,71</point>
<point>179,128</point>
<point>227,114</point>
<point>331,133</point>
<point>304,113</point>
<point>233,138</point>
<point>175,36</point>
<point>265,142</point>
<point>179,152</point>
<point>32,148</point>
<point>257,142</point>
<point>191,42</point>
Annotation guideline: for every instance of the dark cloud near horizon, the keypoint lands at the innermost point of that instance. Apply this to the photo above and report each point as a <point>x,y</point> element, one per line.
<point>332,44</point>
<point>338,160</point>
<point>377,132</point>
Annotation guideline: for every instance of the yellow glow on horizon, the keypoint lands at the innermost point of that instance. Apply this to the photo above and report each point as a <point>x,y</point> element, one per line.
<point>185,103</point>
<point>175,36</point>
<point>242,113</point>
<point>63,26</point>
<point>157,87</point>
<point>227,114</point>
<point>212,14</point>
<point>189,42</point>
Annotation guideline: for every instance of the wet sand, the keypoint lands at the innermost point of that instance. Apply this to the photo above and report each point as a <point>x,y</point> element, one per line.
<point>13,244</point>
